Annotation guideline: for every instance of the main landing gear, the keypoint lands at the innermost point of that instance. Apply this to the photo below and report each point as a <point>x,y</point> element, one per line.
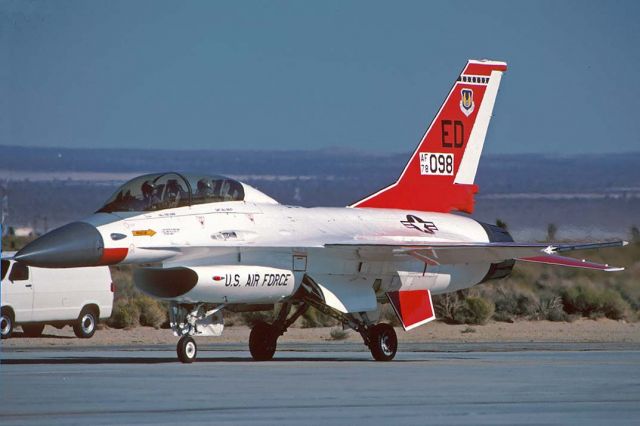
<point>383,342</point>
<point>198,320</point>
<point>381,339</point>
<point>263,338</point>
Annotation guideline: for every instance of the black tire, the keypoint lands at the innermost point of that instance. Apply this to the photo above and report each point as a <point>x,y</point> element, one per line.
<point>383,342</point>
<point>6,324</point>
<point>263,341</point>
<point>85,325</point>
<point>32,330</point>
<point>187,349</point>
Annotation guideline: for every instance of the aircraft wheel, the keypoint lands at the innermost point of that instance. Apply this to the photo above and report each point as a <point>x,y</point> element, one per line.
<point>32,330</point>
<point>187,349</point>
<point>383,342</point>
<point>6,324</point>
<point>262,341</point>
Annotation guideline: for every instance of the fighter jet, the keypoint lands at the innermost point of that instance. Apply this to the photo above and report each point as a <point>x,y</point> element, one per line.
<point>210,244</point>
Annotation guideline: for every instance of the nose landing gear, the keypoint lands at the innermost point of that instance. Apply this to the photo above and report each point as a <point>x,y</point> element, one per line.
<point>187,349</point>
<point>194,320</point>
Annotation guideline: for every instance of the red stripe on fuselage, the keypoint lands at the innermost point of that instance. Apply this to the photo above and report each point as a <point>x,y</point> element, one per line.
<point>111,256</point>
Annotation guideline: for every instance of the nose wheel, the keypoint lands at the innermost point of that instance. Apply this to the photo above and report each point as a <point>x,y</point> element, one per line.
<point>187,349</point>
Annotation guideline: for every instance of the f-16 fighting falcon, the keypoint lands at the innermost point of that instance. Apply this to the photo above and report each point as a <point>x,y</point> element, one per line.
<point>207,244</point>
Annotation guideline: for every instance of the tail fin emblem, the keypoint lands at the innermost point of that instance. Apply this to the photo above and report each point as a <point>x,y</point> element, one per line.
<point>466,101</point>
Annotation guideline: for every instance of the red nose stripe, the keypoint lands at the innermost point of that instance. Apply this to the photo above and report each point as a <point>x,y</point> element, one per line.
<point>111,256</point>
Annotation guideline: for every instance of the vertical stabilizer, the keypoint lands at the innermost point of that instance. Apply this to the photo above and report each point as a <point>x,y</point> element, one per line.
<point>440,174</point>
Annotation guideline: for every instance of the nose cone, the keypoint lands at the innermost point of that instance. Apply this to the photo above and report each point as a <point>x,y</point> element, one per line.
<point>73,245</point>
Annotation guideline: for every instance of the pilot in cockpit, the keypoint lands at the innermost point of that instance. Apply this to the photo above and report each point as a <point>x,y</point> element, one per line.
<point>173,191</point>
<point>148,193</point>
<point>204,189</point>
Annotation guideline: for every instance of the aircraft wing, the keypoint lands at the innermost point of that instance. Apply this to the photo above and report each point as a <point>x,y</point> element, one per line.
<point>495,252</point>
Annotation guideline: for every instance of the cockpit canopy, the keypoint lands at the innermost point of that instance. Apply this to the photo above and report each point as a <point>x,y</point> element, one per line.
<point>169,190</point>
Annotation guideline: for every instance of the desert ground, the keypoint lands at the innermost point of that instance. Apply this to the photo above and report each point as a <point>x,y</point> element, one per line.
<point>580,331</point>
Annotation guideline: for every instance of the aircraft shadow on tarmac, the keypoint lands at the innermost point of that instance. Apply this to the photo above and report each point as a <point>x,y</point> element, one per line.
<point>171,360</point>
<point>20,335</point>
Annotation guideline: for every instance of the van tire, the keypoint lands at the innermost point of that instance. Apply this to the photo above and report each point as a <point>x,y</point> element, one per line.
<point>85,325</point>
<point>6,323</point>
<point>32,330</point>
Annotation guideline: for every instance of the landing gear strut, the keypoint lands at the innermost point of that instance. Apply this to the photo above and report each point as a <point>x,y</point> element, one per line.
<point>381,339</point>
<point>194,320</point>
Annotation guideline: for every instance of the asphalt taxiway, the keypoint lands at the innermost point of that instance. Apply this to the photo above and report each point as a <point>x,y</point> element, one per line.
<point>138,385</point>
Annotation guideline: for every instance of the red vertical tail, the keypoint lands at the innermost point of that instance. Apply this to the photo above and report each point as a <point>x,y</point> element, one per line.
<point>440,174</point>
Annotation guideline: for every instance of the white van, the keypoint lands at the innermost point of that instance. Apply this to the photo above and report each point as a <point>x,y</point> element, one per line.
<point>32,297</point>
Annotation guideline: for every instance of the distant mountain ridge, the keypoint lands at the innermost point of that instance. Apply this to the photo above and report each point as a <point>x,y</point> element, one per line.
<point>496,173</point>
<point>593,194</point>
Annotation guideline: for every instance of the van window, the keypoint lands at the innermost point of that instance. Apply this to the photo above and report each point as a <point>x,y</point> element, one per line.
<point>4,268</point>
<point>19,272</point>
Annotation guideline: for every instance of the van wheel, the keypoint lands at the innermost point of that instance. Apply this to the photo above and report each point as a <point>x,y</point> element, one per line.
<point>6,324</point>
<point>85,326</point>
<point>32,330</point>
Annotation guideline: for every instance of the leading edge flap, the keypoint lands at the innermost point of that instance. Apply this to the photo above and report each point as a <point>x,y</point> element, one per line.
<point>413,307</point>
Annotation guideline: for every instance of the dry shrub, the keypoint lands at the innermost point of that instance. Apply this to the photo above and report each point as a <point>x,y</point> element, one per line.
<point>140,310</point>
<point>590,301</point>
<point>125,314</point>
<point>447,306</point>
<point>458,308</point>
<point>152,312</point>
<point>550,309</point>
<point>338,334</point>
<point>252,318</point>
<point>512,302</point>
<point>475,310</point>
<point>314,318</point>
<point>388,315</point>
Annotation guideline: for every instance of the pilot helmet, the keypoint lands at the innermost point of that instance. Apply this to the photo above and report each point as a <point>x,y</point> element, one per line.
<point>147,188</point>
<point>204,186</point>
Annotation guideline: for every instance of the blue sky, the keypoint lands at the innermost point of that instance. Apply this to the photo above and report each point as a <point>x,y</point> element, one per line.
<point>313,75</point>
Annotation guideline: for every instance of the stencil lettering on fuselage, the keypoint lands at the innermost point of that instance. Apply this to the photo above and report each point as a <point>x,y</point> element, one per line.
<point>267,280</point>
<point>436,163</point>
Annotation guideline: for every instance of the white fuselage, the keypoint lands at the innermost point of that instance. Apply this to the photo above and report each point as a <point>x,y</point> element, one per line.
<point>290,240</point>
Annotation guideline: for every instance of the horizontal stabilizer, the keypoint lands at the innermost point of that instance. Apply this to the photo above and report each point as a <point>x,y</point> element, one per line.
<point>436,253</point>
<point>570,262</point>
<point>413,307</point>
